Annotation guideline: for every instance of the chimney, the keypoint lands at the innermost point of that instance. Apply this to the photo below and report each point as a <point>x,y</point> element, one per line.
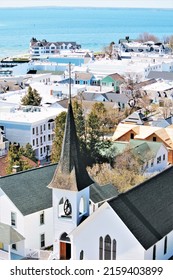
<point>15,169</point>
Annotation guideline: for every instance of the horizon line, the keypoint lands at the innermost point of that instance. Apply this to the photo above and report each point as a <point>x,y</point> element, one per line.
<point>84,6</point>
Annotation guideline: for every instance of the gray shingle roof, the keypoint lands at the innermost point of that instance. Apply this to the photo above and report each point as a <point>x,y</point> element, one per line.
<point>165,75</point>
<point>147,209</point>
<point>28,190</point>
<point>101,193</point>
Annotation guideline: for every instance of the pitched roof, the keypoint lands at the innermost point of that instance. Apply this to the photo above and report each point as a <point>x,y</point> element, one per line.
<point>8,235</point>
<point>83,76</point>
<point>28,190</point>
<point>70,174</point>
<point>165,75</point>
<point>4,164</point>
<point>136,118</point>
<point>147,209</point>
<point>116,77</point>
<point>101,193</point>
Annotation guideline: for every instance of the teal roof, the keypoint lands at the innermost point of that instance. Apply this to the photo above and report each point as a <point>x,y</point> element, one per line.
<point>28,190</point>
<point>102,193</point>
<point>143,149</point>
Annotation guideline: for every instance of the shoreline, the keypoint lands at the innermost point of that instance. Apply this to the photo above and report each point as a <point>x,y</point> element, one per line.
<point>84,7</point>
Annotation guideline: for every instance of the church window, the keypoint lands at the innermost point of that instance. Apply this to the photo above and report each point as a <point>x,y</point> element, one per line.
<point>154,252</point>
<point>42,240</point>
<point>101,248</point>
<point>82,206</point>
<point>60,207</point>
<point>81,257</point>
<point>42,218</point>
<point>13,219</point>
<point>165,245</point>
<point>107,248</point>
<point>64,208</point>
<point>114,249</point>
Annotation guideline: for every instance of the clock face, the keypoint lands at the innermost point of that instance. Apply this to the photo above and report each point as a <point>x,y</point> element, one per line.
<point>67,207</point>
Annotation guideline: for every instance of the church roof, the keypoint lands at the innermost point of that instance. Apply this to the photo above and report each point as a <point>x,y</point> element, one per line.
<point>71,173</point>
<point>147,209</point>
<point>28,189</point>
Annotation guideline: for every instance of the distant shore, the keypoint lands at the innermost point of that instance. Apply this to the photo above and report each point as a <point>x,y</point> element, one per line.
<point>167,4</point>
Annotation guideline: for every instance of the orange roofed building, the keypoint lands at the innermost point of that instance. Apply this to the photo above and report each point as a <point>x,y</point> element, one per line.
<point>125,132</point>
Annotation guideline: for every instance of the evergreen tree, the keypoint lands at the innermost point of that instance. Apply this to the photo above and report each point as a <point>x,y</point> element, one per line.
<point>28,152</point>
<point>31,98</point>
<point>14,157</point>
<point>59,134</point>
<point>79,119</point>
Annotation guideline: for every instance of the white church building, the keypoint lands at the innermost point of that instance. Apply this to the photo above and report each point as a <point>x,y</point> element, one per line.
<point>134,225</point>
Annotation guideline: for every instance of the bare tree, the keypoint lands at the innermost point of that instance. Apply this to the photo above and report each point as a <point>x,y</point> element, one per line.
<point>144,37</point>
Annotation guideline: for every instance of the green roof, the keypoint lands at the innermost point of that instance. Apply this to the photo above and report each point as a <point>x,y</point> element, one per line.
<point>145,150</point>
<point>28,190</point>
<point>102,193</point>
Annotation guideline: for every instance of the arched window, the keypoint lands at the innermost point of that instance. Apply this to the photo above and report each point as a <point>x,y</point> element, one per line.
<point>82,206</point>
<point>107,248</point>
<point>64,208</point>
<point>101,248</point>
<point>154,252</point>
<point>114,249</point>
<point>60,207</point>
<point>165,245</point>
<point>64,237</point>
<point>81,255</point>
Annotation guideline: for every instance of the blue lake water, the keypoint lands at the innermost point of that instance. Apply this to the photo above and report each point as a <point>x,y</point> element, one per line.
<point>93,28</point>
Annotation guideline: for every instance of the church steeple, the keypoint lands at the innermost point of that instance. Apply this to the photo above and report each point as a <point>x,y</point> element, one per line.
<point>71,173</point>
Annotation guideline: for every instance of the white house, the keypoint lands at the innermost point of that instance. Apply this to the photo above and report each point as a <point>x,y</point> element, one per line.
<point>38,47</point>
<point>4,144</point>
<point>153,156</point>
<point>26,206</point>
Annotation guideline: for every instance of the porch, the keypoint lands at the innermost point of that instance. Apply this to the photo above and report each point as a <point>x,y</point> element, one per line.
<point>9,237</point>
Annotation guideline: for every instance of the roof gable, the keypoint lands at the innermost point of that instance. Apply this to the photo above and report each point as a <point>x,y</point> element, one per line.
<point>147,209</point>
<point>28,190</point>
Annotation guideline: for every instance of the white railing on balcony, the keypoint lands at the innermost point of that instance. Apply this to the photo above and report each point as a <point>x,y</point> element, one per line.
<point>4,255</point>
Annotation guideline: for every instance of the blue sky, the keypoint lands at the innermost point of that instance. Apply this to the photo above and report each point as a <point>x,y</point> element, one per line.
<point>90,3</point>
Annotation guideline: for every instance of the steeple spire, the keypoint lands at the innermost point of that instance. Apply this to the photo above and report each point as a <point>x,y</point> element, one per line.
<point>71,173</point>
<point>69,82</point>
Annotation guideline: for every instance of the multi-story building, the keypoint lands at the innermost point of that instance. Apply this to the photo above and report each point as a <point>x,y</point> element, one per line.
<point>4,144</point>
<point>33,125</point>
<point>38,47</point>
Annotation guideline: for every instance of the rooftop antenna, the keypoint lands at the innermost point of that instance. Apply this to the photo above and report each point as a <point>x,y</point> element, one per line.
<point>69,82</point>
